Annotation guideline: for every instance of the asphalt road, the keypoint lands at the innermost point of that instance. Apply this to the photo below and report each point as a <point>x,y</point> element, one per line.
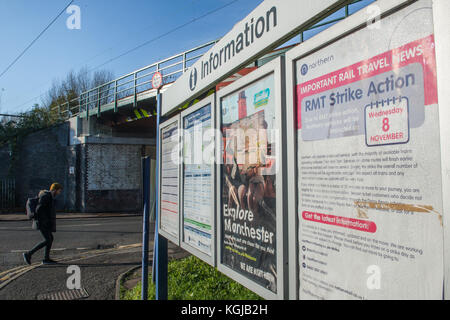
<point>73,236</point>
<point>102,248</point>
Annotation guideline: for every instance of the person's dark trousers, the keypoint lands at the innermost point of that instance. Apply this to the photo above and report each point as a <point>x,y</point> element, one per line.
<point>47,243</point>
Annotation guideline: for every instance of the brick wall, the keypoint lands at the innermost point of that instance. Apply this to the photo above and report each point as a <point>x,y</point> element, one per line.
<point>42,160</point>
<point>96,177</point>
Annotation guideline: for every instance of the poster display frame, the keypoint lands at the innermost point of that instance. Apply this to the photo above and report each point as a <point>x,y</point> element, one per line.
<point>163,126</point>
<point>211,260</point>
<point>441,31</point>
<point>343,29</point>
<point>275,67</point>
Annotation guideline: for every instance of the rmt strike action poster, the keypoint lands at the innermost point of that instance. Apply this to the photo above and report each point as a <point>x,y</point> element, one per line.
<point>369,184</point>
<point>248,183</point>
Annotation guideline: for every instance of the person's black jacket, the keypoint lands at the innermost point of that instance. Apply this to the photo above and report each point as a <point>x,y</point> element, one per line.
<point>45,212</point>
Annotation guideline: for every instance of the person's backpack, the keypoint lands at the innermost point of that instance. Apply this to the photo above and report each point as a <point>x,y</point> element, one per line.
<point>31,207</point>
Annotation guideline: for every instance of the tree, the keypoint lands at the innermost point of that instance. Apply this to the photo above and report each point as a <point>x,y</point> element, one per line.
<point>13,130</point>
<point>74,85</point>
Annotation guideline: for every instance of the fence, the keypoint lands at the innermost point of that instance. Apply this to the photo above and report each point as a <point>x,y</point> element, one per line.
<point>7,194</point>
<point>131,84</point>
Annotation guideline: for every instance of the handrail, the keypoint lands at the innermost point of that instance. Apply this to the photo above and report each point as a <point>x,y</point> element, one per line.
<point>113,90</point>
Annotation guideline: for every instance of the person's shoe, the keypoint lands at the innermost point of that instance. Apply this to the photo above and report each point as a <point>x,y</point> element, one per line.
<point>49,262</point>
<point>27,258</point>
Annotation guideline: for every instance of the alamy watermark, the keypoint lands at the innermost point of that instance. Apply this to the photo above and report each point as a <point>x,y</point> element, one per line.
<point>74,280</point>
<point>73,22</point>
<point>374,280</point>
<point>237,147</point>
<point>374,17</point>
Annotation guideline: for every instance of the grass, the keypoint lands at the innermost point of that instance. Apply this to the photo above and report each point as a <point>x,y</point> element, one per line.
<point>193,279</point>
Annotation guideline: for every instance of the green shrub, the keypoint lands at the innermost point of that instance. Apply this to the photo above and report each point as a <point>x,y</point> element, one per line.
<point>193,279</point>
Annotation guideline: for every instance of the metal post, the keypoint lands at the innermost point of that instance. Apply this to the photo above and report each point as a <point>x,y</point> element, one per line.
<point>87,106</point>
<point>14,193</point>
<point>115,96</point>
<point>1,195</point>
<point>160,258</point>
<point>145,237</point>
<point>135,90</point>
<point>98,103</point>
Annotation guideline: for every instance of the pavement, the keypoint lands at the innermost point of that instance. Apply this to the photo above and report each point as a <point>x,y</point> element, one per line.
<point>73,236</point>
<point>98,273</point>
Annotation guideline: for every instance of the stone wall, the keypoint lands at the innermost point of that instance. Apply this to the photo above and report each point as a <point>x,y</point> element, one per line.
<point>41,161</point>
<point>98,174</point>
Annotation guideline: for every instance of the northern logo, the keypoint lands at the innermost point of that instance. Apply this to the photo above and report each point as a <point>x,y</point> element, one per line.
<point>304,69</point>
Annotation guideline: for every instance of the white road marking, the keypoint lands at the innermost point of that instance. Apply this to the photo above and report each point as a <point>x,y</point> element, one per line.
<point>61,225</point>
<point>80,225</point>
<point>23,251</point>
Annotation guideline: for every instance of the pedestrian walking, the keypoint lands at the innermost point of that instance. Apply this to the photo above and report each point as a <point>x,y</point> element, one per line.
<point>45,222</point>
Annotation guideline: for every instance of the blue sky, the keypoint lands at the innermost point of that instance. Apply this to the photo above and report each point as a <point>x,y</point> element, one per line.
<point>108,29</point>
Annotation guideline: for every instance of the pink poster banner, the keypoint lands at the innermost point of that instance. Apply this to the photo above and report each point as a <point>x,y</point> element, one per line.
<point>350,223</point>
<point>420,51</point>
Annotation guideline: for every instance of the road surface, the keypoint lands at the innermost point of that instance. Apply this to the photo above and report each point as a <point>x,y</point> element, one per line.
<point>72,236</point>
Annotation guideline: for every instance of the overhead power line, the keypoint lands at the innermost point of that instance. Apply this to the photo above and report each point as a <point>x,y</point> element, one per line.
<point>36,39</point>
<point>146,43</point>
<point>165,34</point>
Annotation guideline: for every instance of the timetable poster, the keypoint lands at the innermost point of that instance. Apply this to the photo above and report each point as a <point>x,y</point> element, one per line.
<point>169,179</point>
<point>198,188</point>
<point>368,159</point>
<point>248,187</point>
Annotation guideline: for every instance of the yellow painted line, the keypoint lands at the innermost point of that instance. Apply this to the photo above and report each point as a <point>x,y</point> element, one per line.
<point>20,271</point>
<point>138,115</point>
<point>10,270</point>
<point>15,276</point>
<point>136,245</point>
<point>14,273</point>
<point>144,113</point>
<point>17,269</point>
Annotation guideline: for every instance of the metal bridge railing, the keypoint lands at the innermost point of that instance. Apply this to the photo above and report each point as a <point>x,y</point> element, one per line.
<point>139,81</point>
<point>132,84</point>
